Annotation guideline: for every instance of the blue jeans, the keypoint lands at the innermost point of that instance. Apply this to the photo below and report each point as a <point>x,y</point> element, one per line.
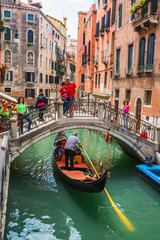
<point>70,101</point>
<point>21,117</point>
<point>65,106</point>
<point>125,118</point>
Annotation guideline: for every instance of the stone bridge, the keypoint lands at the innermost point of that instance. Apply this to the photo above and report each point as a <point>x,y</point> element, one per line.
<point>89,115</point>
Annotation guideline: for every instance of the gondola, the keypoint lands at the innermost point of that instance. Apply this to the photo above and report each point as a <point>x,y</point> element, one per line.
<point>82,177</point>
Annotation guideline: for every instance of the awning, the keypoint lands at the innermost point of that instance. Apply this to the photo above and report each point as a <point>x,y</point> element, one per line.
<point>7,97</point>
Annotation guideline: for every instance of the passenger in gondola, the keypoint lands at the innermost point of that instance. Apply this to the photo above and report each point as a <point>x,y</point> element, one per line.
<point>70,148</point>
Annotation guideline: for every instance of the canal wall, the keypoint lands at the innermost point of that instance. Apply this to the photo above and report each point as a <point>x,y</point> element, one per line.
<point>4,179</point>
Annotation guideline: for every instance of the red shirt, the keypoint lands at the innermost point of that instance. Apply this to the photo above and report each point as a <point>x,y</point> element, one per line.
<point>63,92</point>
<point>70,88</point>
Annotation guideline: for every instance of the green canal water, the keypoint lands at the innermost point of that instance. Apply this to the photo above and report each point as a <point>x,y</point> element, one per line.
<point>42,207</point>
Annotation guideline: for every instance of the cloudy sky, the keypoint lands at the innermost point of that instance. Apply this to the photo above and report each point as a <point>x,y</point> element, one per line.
<point>65,8</point>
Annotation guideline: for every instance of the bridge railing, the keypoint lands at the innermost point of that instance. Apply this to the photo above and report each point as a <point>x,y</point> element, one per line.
<point>138,126</point>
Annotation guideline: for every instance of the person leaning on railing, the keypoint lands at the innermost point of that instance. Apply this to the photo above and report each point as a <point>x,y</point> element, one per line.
<point>22,110</point>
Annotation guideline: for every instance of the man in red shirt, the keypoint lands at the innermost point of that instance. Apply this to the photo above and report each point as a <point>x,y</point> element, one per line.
<point>71,92</point>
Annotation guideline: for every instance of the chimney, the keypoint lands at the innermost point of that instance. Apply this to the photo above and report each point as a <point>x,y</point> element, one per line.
<point>30,1</point>
<point>65,21</point>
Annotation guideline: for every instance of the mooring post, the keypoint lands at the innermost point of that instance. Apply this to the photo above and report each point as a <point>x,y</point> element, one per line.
<point>60,110</point>
<point>13,125</point>
<point>100,110</point>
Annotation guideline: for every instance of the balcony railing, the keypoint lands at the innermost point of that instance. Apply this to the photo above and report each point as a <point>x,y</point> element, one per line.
<point>104,6</point>
<point>96,36</point>
<point>104,58</point>
<point>60,57</point>
<point>148,68</point>
<point>140,69</point>
<point>146,15</point>
<point>95,61</point>
<point>116,73</point>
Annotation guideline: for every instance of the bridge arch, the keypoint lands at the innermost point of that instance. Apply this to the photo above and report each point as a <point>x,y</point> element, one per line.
<point>130,142</point>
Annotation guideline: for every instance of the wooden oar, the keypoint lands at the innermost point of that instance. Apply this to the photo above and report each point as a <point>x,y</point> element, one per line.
<point>122,217</point>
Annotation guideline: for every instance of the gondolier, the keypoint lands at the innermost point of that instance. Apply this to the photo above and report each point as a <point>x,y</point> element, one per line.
<point>70,146</point>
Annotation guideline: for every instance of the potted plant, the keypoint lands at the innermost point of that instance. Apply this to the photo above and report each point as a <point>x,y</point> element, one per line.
<point>52,71</point>
<point>137,5</point>
<point>29,44</point>
<point>7,41</point>
<point>2,26</point>
<point>4,68</point>
<point>30,22</point>
<point>42,46</point>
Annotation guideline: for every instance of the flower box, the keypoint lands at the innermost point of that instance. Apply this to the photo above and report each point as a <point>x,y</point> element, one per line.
<point>29,44</point>
<point>138,5</point>
<point>4,68</point>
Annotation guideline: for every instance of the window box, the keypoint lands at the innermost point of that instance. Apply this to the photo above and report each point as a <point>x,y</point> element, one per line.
<point>30,22</point>
<point>29,44</point>
<point>29,84</point>
<point>7,41</point>
<point>42,46</point>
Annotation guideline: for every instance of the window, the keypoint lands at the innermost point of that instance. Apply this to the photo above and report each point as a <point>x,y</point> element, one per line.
<point>118,61</point>
<point>84,20</point>
<point>150,59</point>
<point>29,93</point>
<point>102,24</point>
<point>82,78</point>
<point>30,58</point>
<point>132,17</point>
<point>105,79</point>
<point>130,57</point>
<point>108,19</point>
<point>7,76</point>
<point>120,16</point>
<point>47,26</point>
<point>40,60</point>
<point>141,54</point>
<point>50,46</point>
<point>7,56</point>
<point>148,97</point>
<point>29,76</point>
<point>46,78</point>
<point>7,90</point>
<point>97,30</point>
<point>40,90</point>
<point>30,36</point>
<point>46,92</point>
<point>46,62</point>
<point>30,18</point>
<point>7,14</point>
<point>41,20</point>
<point>96,80</point>
<point>98,4</point>
<point>117,93</point>
<point>84,38</point>
<point>41,39</point>
<point>41,78</point>
<point>113,12</point>
<point>46,43</point>
<point>97,56</point>
<point>107,44</point>
<point>7,35</point>
<point>49,64</point>
<point>128,95</point>
<point>99,79</point>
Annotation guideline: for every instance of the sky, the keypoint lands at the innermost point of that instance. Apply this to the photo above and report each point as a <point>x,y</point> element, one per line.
<point>65,8</point>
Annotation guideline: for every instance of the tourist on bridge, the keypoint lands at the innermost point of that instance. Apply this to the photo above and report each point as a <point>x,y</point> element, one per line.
<point>22,110</point>
<point>71,92</point>
<point>63,97</point>
<point>70,148</point>
<point>41,103</point>
<point>126,109</point>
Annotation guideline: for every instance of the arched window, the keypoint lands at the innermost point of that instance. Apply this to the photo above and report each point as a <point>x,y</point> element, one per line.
<point>7,56</point>
<point>141,55</point>
<point>7,35</point>
<point>30,36</point>
<point>30,58</point>
<point>150,58</point>
<point>120,16</point>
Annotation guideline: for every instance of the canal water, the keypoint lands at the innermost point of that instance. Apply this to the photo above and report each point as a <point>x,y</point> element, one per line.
<point>42,207</point>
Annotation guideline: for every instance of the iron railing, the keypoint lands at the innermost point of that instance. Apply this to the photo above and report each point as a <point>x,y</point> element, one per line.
<point>115,115</point>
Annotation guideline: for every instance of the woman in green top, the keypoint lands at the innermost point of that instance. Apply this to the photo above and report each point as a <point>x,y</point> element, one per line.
<point>22,111</point>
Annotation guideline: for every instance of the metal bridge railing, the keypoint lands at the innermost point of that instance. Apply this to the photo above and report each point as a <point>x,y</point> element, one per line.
<point>115,115</point>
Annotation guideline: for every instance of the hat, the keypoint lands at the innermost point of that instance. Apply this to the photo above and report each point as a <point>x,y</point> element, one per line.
<point>75,133</point>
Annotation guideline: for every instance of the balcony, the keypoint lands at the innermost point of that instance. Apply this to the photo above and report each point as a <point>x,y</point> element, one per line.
<point>84,60</point>
<point>60,56</point>
<point>104,58</point>
<point>104,2</point>
<point>146,15</point>
<point>95,61</point>
<point>116,73</point>
<point>101,33</point>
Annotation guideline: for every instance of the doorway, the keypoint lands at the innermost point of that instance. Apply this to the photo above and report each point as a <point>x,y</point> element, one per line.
<point>138,114</point>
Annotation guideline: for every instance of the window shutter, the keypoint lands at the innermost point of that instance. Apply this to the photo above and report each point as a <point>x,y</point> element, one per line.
<point>108,19</point>
<point>118,61</point>
<point>102,23</point>
<point>26,76</point>
<point>141,53</point>
<point>50,79</point>
<point>7,35</point>
<point>11,75</point>
<point>33,77</point>
<point>120,16</point>
<point>30,36</point>
<point>97,29</point>
<point>151,51</point>
<point>26,93</point>
<point>130,56</point>
<point>113,12</point>
<point>84,38</point>
<point>33,93</point>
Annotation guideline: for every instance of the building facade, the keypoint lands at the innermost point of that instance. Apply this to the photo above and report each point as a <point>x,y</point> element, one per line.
<point>36,62</point>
